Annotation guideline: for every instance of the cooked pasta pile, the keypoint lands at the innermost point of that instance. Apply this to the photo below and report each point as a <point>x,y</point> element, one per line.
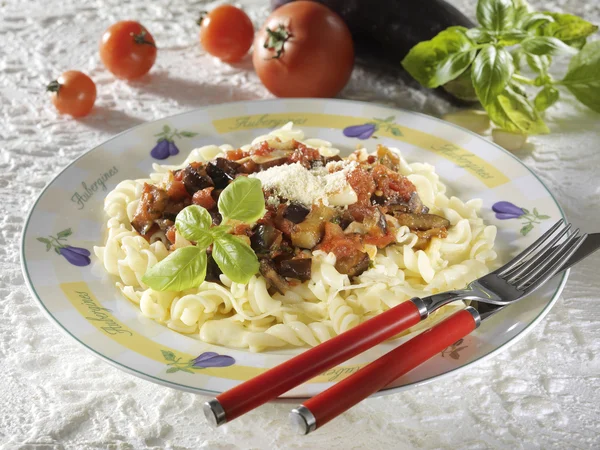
<point>255,317</point>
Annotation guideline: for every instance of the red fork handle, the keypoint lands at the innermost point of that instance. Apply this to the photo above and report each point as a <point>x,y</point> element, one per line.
<point>274,382</point>
<point>320,409</point>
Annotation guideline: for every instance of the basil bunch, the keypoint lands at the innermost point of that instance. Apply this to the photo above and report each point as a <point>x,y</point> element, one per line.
<point>185,268</point>
<point>485,62</point>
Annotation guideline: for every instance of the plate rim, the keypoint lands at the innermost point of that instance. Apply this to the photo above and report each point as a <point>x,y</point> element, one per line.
<point>385,391</point>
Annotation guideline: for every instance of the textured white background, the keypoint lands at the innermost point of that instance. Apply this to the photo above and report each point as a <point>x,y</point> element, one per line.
<point>542,393</point>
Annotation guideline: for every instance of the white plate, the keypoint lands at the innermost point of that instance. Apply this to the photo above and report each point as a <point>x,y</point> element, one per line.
<point>83,301</point>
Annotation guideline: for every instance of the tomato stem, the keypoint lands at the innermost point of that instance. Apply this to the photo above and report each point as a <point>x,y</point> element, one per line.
<point>201,17</point>
<point>141,38</point>
<point>276,40</point>
<point>53,86</point>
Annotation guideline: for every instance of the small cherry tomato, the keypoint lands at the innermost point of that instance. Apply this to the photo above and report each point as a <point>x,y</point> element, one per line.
<point>304,49</point>
<point>127,50</point>
<point>73,93</point>
<point>226,32</point>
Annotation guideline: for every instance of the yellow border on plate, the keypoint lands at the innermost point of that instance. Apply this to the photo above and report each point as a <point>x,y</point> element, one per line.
<point>80,296</point>
<point>483,170</point>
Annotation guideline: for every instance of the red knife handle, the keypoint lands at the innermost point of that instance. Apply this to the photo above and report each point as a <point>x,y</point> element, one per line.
<point>320,409</point>
<point>274,382</point>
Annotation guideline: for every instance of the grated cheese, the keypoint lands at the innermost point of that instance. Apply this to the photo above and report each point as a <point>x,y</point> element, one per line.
<point>308,187</point>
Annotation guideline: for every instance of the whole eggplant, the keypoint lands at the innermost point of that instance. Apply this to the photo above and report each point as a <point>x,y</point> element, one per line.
<point>385,30</point>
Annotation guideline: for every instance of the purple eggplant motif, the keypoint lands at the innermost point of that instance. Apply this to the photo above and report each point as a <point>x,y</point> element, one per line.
<point>74,255</point>
<point>203,361</point>
<point>364,131</point>
<point>367,130</point>
<point>160,150</point>
<point>507,210</point>
<point>212,359</point>
<point>165,145</point>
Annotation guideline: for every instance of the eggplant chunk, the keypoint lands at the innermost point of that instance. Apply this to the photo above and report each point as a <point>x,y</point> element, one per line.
<point>150,208</point>
<point>196,179</point>
<point>276,281</point>
<point>263,238</point>
<point>308,233</point>
<point>421,222</point>
<point>222,171</point>
<point>353,265</point>
<point>299,268</point>
<point>416,206</point>
<point>212,270</point>
<point>381,222</point>
<point>296,213</point>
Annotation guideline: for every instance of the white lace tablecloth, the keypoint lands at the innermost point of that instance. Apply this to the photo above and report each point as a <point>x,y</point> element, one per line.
<point>544,392</point>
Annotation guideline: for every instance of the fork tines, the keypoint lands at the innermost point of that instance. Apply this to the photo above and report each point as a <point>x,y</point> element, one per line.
<point>542,259</point>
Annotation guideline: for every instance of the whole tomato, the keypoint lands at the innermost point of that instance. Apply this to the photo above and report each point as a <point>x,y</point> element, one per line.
<point>128,50</point>
<point>73,93</point>
<point>303,50</point>
<point>226,32</point>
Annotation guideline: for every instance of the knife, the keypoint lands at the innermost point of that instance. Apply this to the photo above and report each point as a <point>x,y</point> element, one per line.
<point>320,409</point>
<point>589,246</point>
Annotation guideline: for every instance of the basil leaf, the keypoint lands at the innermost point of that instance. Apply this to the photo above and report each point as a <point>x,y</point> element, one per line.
<point>492,69</point>
<point>442,59</point>
<point>511,37</point>
<point>236,259</point>
<point>183,269</point>
<point>546,45</point>
<point>567,27</point>
<point>479,35</point>
<point>518,87</point>
<point>539,64</point>
<point>193,224</point>
<point>242,200</point>
<point>546,98</point>
<point>513,112</point>
<point>462,87</point>
<point>534,20</point>
<point>578,43</point>
<point>517,54</point>
<point>496,15</point>
<point>583,76</point>
<point>219,231</point>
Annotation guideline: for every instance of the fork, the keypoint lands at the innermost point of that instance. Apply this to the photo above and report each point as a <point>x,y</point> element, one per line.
<point>508,284</point>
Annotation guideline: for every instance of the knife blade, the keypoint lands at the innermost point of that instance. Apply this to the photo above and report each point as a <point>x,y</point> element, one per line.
<point>589,246</point>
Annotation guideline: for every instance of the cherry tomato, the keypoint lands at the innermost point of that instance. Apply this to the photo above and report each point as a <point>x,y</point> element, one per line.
<point>303,50</point>
<point>226,32</point>
<point>127,50</point>
<point>73,93</point>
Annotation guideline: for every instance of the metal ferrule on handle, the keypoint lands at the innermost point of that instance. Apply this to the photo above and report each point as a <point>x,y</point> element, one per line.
<point>278,380</point>
<point>317,411</point>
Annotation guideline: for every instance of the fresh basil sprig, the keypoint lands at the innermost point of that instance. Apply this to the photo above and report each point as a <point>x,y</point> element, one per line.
<point>185,268</point>
<point>478,62</point>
